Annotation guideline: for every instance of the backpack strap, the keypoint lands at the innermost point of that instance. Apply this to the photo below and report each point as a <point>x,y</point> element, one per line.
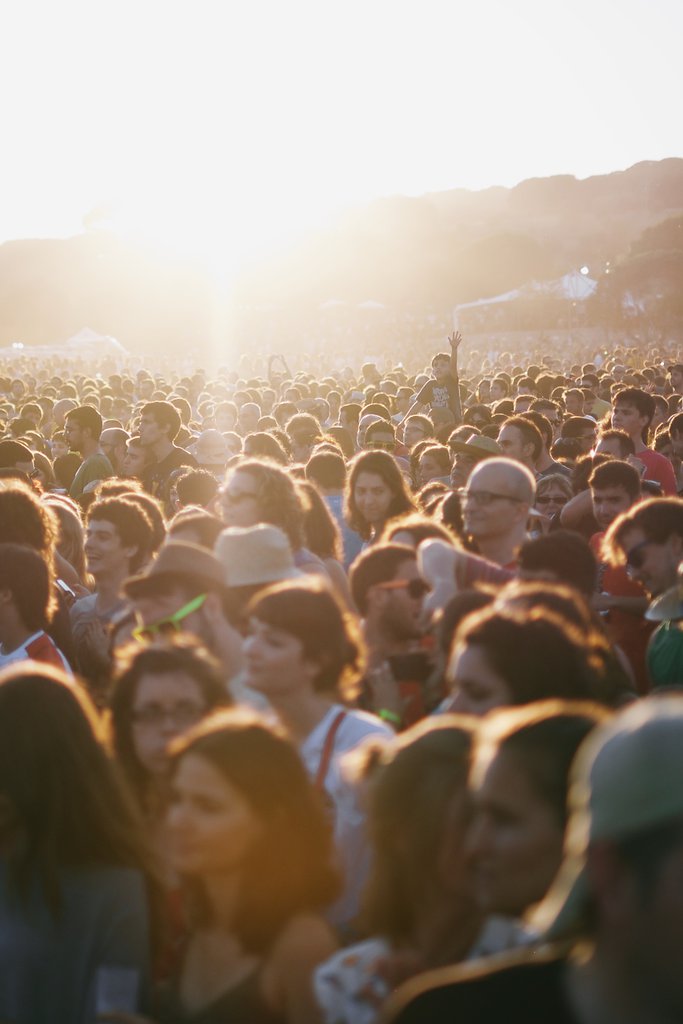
<point>328,747</point>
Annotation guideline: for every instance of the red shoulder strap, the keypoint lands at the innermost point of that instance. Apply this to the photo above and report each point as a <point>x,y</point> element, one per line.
<point>328,747</point>
<point>44,649</point>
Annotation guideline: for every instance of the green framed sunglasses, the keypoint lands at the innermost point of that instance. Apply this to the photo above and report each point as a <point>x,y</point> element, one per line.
<point>171,624</point>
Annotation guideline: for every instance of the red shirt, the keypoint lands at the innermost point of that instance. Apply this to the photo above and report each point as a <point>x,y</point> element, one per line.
<point>658,467</point>
<point>628,630</point>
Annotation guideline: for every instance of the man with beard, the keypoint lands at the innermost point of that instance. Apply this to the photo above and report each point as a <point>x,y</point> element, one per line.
<point>388,591</point>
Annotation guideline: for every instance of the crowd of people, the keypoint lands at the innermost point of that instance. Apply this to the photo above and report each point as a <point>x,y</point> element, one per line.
<point>343,698</point>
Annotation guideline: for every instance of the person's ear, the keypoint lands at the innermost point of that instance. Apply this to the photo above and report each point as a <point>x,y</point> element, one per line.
<point>613,886</point>
<point>376,598</point>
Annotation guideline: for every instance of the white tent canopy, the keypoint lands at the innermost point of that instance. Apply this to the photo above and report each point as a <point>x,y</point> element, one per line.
<point>86,343</point>
<point>574,286</point>
<point>86,339</point>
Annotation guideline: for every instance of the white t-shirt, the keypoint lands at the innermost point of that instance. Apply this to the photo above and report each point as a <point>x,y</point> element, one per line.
<point>38,647</point>
<point>349,820</point>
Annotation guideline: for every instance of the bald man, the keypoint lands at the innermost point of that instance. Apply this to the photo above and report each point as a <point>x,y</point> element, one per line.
<point>496,503</point>
<point>113,443</point>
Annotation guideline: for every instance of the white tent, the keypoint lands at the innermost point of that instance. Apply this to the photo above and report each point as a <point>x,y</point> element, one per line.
<point>87,340</point>
<point>574,286</point>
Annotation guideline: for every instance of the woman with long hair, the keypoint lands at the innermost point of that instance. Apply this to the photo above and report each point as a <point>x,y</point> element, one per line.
<point>71,535</point>
<point>249,838</point>
<point>303,652</point>
<point>76,877</point>
<point>519,788</point>
<point>323,538</point>
<point>258,491</point>
<point>502,657</point>
<point>419,909</point>
<point>159,691</point>
<point>376,491</point>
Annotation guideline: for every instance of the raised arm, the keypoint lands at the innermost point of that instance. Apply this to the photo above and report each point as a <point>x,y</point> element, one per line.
<point>455,340</point>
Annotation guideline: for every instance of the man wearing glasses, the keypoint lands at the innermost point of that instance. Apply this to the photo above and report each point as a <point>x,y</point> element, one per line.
<point>381,436</point>
<point>552,412</point>
<point>648,540</point>
<point>495,505</point>
<point>581,430</point>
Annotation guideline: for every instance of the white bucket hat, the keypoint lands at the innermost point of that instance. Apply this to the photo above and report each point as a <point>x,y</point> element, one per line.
<point>255,555</point>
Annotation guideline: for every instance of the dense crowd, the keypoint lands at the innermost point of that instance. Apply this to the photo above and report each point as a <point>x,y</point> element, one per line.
<point>343,697</point>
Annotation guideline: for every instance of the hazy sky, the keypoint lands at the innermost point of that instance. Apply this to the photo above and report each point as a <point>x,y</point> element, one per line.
<point>223,128</point>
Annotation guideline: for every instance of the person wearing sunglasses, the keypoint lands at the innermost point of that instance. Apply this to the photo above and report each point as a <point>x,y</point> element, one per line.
<point>185,592</point>
<point>380,436</point>
<point>648,541</point>
<point>552,494</point>
<point>389,592</point>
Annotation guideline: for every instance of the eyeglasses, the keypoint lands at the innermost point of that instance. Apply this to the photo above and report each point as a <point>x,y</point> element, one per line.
<point>415,588</point>
<point>385,446</point>
<point>180,715</point>
<point>484,498</point>
<point>555,499</point>
<point>636,556</point>
<point>236,497</point>
<point>171,624</point>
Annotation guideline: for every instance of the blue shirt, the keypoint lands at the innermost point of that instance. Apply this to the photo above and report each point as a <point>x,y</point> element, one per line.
<point>48,965</point>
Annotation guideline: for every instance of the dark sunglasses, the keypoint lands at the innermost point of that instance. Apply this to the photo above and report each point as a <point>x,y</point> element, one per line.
<point>171,624</point>
<point>636,556</point>
<point>484,498</point>
<point>415,588</point>
<point>385,446</point>
<point>547,499</point>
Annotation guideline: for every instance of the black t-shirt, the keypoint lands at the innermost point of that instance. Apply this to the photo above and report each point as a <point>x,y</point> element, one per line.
<point>528,993</point>
<point>439,394</point>
<point>155,477</point>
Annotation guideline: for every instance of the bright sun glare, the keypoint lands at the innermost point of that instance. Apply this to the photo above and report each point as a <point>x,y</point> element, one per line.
<point>222,236</point>
<point>224,132</point>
